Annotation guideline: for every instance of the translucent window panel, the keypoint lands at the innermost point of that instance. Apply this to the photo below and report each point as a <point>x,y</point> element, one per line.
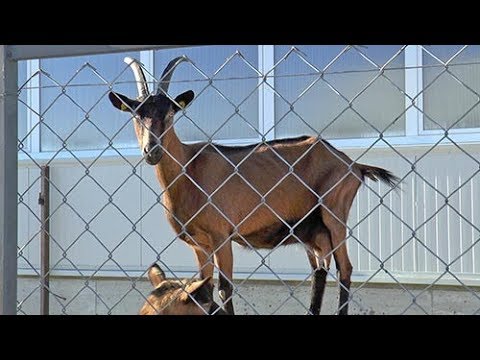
<point>22,108</point>
<point>86,96</point>
<point>236,82</point>
<point>381,102</point>
<point>446,99</point>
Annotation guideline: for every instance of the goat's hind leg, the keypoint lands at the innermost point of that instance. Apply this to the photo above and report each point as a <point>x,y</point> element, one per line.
<point>338,232</point>
<point>319,255</point>
<point>224,262</point>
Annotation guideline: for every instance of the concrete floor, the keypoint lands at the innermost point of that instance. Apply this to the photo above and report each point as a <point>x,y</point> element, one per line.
<point>116,296</point>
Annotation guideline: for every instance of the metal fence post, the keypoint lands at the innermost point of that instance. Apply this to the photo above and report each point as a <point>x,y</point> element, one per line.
<point>8,182</point>
<point>44,201</point>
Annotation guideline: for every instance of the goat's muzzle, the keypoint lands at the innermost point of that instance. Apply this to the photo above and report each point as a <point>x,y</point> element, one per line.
<point>152,154</point>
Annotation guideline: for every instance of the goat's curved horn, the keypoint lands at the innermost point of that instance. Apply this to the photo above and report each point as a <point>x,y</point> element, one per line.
<point>142,85</point>
<point>168,73</point>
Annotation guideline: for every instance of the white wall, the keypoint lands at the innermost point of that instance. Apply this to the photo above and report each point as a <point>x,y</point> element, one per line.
<point>381,232</point>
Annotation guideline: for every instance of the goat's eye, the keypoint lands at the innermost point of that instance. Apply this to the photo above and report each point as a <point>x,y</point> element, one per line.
<point>139,114</point>
<point>138,117</point>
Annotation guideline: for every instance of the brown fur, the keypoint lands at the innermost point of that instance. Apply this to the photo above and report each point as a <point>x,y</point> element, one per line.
<point>212,204</point>
<point>238,199</point>
<point>177,297</point>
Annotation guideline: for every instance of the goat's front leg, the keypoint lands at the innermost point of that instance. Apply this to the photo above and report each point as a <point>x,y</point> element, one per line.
<point>204,263</point>
<point>224,262</point>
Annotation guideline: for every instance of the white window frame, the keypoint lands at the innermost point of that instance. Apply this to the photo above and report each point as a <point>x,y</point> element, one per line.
<point>440,132</point>
<point>415,135</point>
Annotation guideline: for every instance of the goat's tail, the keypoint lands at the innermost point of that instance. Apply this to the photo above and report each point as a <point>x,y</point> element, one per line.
<point>375,174</point>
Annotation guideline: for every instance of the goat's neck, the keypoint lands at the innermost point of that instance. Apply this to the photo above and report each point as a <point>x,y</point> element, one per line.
<point>173,159</point>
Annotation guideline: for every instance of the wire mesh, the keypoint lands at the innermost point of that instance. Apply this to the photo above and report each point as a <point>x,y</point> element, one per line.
<point>107,212</point>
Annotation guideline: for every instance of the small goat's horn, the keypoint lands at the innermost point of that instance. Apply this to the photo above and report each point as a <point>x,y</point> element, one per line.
<point>155,275</point>
<point>168,73</point>
<point>142,85</point>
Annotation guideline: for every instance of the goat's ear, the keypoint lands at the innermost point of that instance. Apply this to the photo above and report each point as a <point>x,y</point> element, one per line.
<point>183,100</point>
<point>123,103</point>
<point>155,275</point>
<point>199,290</point>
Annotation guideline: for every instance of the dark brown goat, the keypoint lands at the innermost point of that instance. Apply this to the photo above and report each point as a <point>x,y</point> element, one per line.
<point>254,198</point>
<point>179,297</point>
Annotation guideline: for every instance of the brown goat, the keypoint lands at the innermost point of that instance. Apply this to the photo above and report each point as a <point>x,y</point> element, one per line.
<point>261,196</point>
<point>175,297</point>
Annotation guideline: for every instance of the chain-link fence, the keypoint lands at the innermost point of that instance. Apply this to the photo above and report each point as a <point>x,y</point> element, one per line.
<point>243,150</point>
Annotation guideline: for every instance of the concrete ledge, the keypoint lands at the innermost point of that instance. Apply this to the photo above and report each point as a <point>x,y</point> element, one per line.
<point>118,297</point>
